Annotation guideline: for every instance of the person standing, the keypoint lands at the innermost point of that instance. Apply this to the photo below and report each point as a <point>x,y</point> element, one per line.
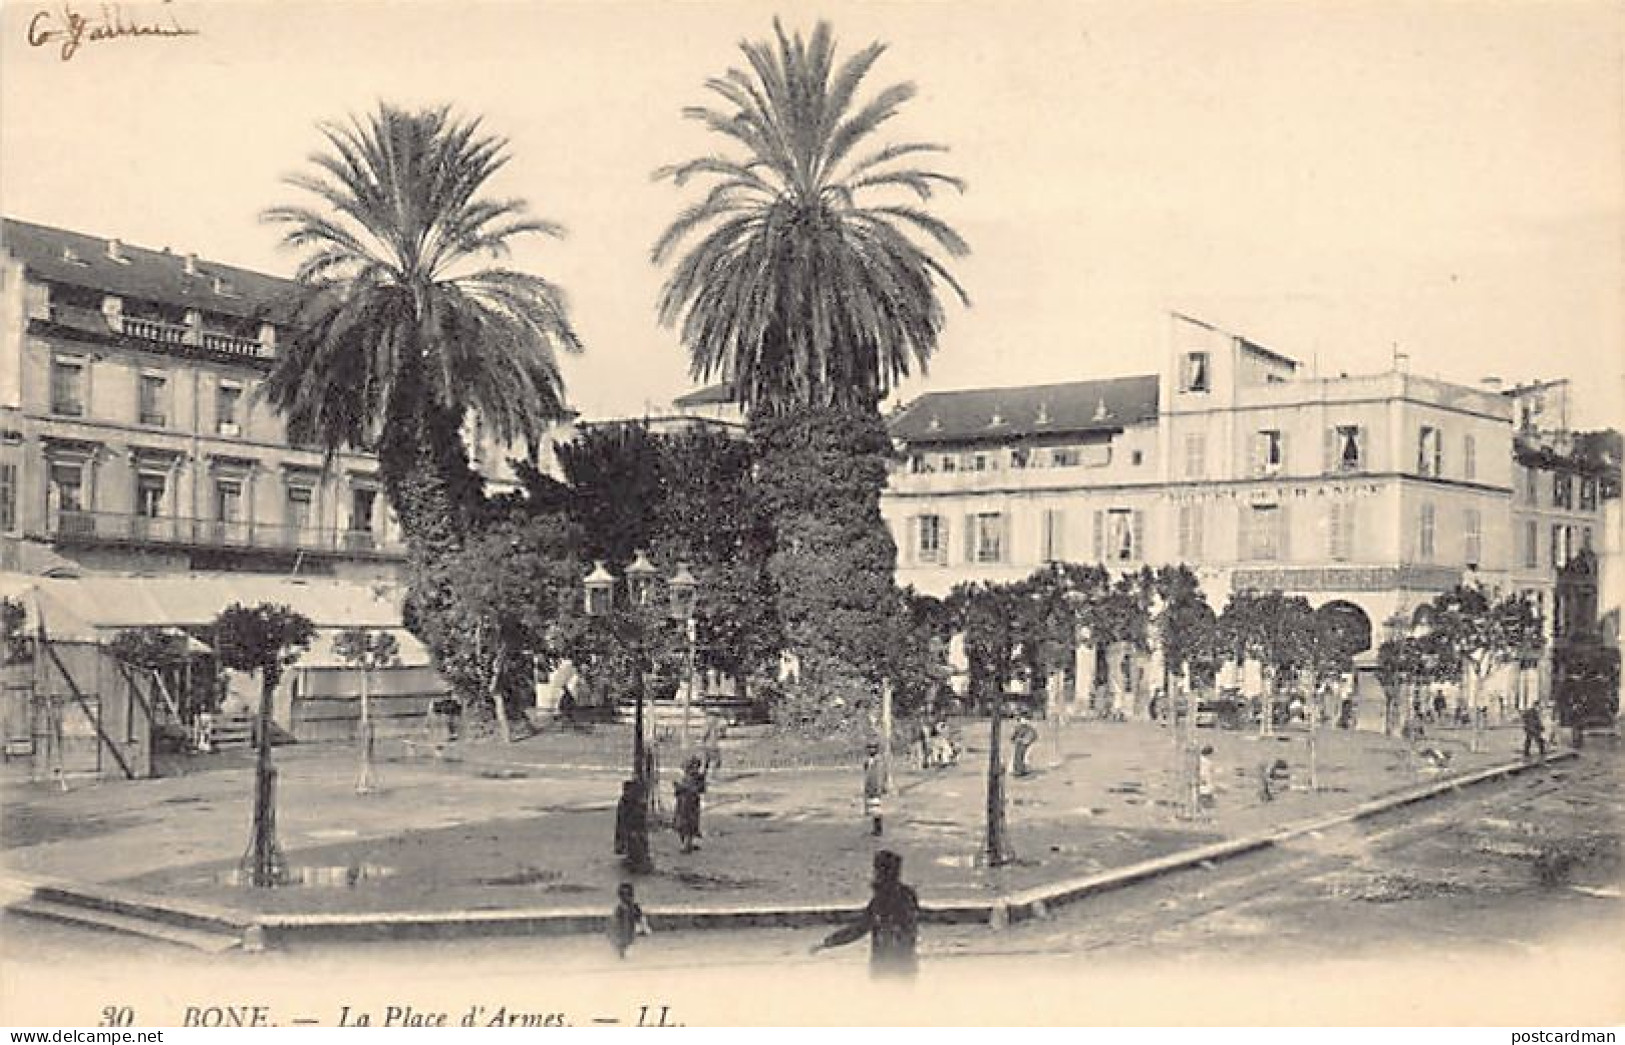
<point>688,791</point>
<point>632,828</point>
<point>1206,790</point>
<point>874,789</point>
<point>1022,740</point>
<point>891,921</point>
<point>711,743</point>
<point>627,922</point>
<point>1534,731</point>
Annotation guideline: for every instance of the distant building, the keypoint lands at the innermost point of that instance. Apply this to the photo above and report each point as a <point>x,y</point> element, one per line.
<point>1371,493</point>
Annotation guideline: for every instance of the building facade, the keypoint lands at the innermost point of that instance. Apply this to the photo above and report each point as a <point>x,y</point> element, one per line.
<point>1373,492</point>
<point>132,435</point>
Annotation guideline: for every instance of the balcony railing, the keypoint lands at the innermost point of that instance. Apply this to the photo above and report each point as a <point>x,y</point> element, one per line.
<point>83,527</point>
<point>160,331</point>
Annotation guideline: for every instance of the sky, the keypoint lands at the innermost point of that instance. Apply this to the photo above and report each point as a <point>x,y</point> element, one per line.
<point>1336,180</point>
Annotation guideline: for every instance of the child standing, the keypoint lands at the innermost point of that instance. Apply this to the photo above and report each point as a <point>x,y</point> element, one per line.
<point>627,922</point>
<point>874,787</point>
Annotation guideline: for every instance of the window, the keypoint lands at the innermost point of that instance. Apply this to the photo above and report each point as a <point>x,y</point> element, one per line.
<point>1195,455</point>
<point>1588,494</point>
<point>1122,534</point>
<point>67,487</point>
<point>1561,538</point>
<point>1193,373</point>
<point>1265,528</point>
<point>1340,544</point>
<point>989,537</point>
<point>228,399</point>
<point>1472,536</point>
<point>1531,485</point>
<point>68,387</point>
<point>149,495</point>
<point>1585,538</point>
<point>1054,535</point>
<point>1136,457</point>
<point>8,497</point>
<point>929,545</point>
<point>152,408</point>
<point>1268,452</point>
<point>1345,446</point>
<point>1019,456</point>
<point>300,500</point>
<point>950,463</point>
<point>1562,490</point>
<point>1190,532</point>
<point>361,505</point>
<point>1064,457</point>
<point>1469,457</point>
<point>1531,543</point>
<point>1425,534</point>
<point>228,500</point>
<point>1430,452</point>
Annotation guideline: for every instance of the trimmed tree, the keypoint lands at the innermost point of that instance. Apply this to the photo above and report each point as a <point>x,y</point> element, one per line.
<point>1477,633</point>
<point>366,651</point>
<point>267,639</point>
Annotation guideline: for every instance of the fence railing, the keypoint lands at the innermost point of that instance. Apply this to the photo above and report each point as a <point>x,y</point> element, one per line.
<point>124,527</point>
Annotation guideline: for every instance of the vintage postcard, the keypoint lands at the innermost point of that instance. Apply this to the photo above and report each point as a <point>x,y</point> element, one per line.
<point>546,514</point>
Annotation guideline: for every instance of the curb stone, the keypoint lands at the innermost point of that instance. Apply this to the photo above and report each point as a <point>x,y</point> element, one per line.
<point>265,930</point>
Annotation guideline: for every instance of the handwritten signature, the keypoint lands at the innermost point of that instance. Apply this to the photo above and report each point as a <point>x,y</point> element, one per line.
<point>73,30</point>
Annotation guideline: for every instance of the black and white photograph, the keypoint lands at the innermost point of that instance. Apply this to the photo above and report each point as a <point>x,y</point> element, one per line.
<point>542,514</point>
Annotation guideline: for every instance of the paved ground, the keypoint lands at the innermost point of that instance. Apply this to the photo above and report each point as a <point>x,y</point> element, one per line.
<point>1437,912</point>
<point>509,827</point>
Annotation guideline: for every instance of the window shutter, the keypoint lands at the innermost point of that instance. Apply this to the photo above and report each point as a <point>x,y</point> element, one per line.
<point>1281,452</point>
<point>970,538</point>
<point>1137,535</point>
<point>908,547</point>
<point>1283,544</point>
<point>1004,537</point>
<point>943,555</point>
<point>1244,518</point>
<point>1100,536</point>
<point>1255,455</point>
<point>1331,448</point>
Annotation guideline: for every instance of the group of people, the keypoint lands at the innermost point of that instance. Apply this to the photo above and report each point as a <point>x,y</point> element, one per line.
<point>935,745</point>
<point>632,815</point>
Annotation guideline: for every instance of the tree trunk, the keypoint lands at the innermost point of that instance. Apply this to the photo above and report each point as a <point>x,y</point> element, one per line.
<point>996,850</point>
<point>498,702</point>
<point>265,858</point>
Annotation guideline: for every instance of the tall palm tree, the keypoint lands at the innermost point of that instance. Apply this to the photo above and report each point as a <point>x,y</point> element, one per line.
<point>405,322</point>
<point>810,283</point>
<point>808,277</point>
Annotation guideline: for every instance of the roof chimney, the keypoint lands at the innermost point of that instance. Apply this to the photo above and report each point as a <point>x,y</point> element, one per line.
<point>115,250</point>
<point>191,264</point>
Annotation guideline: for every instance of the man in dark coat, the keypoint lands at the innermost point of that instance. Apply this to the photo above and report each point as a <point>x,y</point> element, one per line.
<point>1534,732</point>
<point>891,920</point>
<point>688,791</point>
<point>632,828</point>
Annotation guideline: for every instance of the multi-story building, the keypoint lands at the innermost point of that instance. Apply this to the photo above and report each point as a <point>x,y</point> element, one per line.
<point>1372,492</point>
<point>132,437</point>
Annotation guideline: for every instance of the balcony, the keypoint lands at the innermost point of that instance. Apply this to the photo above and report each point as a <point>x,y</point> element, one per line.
<point>67,527</point>
<point>159,332</point>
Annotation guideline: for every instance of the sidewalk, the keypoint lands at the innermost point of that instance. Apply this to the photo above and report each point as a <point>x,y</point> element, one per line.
<point>475,835</point>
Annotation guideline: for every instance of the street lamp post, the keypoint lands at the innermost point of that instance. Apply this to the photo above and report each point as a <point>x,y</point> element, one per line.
<point>641,577</point>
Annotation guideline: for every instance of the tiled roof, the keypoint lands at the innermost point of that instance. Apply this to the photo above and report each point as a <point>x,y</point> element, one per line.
<point>1031,410</point>
<point>60,256</point>
<point>711,395</point>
